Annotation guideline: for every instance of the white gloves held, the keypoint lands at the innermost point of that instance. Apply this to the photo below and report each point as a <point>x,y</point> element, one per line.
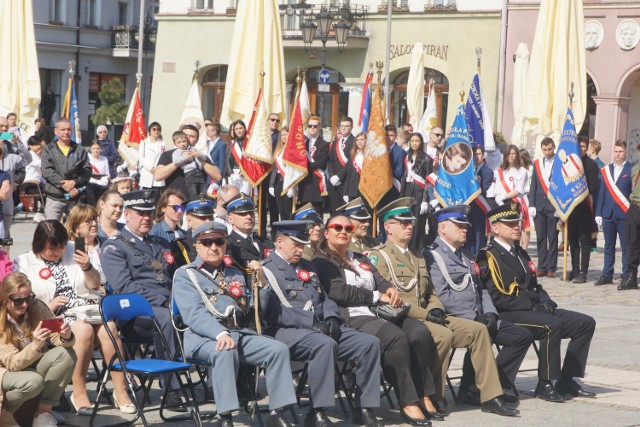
<point>532,212</point>
<point>599,220</point>
<point>272,191</point>
<point>346,199</point>
<point>334,180</point>
<point>424,208</point>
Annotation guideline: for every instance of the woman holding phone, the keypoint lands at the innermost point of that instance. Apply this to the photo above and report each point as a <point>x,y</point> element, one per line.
<point>28,367</point>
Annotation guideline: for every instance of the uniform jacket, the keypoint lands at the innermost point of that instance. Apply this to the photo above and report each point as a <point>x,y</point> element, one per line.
<point>334,282</point>
<point>243,251</point>
<point>56,167</point>
<point>203,325</point>
<point>406,267</point>
<point>297,293</point>
<point>471,301</point>
<point>351,181</point>
<point>606,206</point>
<point>537,197</point>
<point>216,150</point>
<point>309,187</point>
<point>334,166</point>
<point>484,175</point>
<point>129,270</point>
<point>366,244</point>
<point>185,247</point>
<point>509,272</point>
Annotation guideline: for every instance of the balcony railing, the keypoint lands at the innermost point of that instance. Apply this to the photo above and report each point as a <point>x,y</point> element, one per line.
<point>124,37</point>
<point>355,15</point>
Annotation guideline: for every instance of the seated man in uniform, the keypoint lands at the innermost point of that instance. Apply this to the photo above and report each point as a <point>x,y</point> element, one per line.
<point>296,311</point>
<point>136,263</point>
<point>213,301</point>
<point>315,227</point>
<point>407,271</point>
<point>510,277</point>
<point>361,242</point>
<point>456,281</point>
<point>197,211</point>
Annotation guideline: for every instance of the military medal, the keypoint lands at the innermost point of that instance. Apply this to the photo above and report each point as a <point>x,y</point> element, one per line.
<point>532,267</point>
<point>293,294</point>
<point>476,269</point>
<point>267,252</point>
<point>304,275</point>
<point>157,265</point>
<point>364,266</point>
<point>226,259</point>
<point>168,258</point>
<point>45,273</point>
<point>235,288</point>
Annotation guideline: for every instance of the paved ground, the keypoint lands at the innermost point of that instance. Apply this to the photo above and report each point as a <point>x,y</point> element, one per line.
<point>613,371</point>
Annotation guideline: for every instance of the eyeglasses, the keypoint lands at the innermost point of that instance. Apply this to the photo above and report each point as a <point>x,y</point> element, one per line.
<point>339,227</point>
<point>155,130</point>
<point>90,221</point>
<point>17,302</point>
<point>177,208</point>
<point>207,243</point>
<point>405,223</point>
<point>439,135</point>
<point>313,126</point>
<point>275,120</point>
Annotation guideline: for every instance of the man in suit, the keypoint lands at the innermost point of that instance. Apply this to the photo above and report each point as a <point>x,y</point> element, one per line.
<point>612,209</point>
<point>314,186</point>
<point>581,223</point>
<point>632,232</point>
<point>296,311</point>
<point>339,156</point>
<point>407,271</point>
<point>213,300</point>
<point>136,263</point>
<point>508,274</point>
<point>457,283</point>
<point>543,212</point>
<point>246,248</point>
<point>477,237</point>
<point>361,241</point>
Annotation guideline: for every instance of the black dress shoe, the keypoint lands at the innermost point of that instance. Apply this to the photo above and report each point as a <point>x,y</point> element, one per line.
<point>365,417</point>
<point>497,406</point>
<point>317,418</point>
<point>580,278</point>
<point>434,416</point>
<point>224,421</point>
<point>604,280</point>
<point>277,420</point>
<point>469,398</point>
<point>510,399</point>
<point>440,408</point>
<point>414,421</point>
<point>548,392</point>
<point>630,282</point>
<point>574,389</point>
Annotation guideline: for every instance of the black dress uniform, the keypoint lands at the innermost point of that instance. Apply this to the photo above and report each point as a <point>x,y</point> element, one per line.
<point>509,275</point>
<point>358,213</point>
<point>182,248</point>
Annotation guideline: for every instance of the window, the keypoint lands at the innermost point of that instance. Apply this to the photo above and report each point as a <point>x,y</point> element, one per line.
<point>213,85</point>
<point>123,13</point>
<point>204,4</point>
<point>56,10</point>
<point>92,12</point>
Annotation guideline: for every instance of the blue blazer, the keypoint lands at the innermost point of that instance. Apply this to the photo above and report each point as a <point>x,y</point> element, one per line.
<point>606,206</point>
<point>396,158</point>
<point>217,155</point>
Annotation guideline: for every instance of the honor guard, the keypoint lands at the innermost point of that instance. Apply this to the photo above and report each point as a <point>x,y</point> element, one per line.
<point>510,277</point>
<point>213,300</point>
<point>315,227</point>
<point>297,312</point>
<point>246,248</point>
<point>198,212</point>
<point>455,277</point>
<point>136,263</point>
<point>407,271</point>
<point>361,241</point>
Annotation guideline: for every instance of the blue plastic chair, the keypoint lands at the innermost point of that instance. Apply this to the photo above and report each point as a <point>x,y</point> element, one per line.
<point>125,308</point>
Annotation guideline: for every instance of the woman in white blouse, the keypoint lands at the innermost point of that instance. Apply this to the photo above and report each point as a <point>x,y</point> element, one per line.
<point>149,152</point>
<point>99,181</point>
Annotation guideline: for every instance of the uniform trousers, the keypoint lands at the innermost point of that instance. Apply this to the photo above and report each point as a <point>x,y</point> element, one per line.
<point>546,240</point>
<point>632,236</point>
<point>579,237</point>
<point>612,228</point>
<point>335,197</point>
<point>514,342</point>
<point>321,353</point>
<point>477,233</point>
<point>465,333</point>
<point>550,329</point>
<point>406,351</point>
<point>254,350</point>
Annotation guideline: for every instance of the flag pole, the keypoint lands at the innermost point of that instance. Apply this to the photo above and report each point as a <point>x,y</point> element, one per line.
<point>566,223</point>
<point>479,57</point>
<point>294,199</point>
<point>260,195</point>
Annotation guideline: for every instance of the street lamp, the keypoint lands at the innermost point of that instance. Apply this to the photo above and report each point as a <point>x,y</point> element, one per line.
<point>321,28</point>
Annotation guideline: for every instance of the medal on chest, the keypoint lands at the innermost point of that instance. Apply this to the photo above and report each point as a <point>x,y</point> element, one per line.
<point>157,266</point>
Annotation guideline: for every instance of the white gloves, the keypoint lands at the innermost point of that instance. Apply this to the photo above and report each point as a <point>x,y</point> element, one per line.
<point>424,208</point>
<point>122,168</point>
<point>599,220</point>
<point>346,199</point>
<point>434,203</point>
<point>272,191</point>
<point>532,212</point>
<point>334,180</point>
<point>291,193</point>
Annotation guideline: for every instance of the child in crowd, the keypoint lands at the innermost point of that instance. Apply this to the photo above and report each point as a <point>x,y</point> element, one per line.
<point>189,160</point>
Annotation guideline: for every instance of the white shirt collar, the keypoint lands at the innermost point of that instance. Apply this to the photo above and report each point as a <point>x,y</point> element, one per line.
<point>141,238</point>
<point>243,235</point>
<point>402,250</point>
<point>503,244</point>
<point>449,245</point>
<point>280,255</point>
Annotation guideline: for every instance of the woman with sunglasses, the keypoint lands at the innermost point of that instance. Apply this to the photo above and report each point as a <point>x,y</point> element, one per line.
<point>84,317</point>
<point>354,284</point>
<point>149,152</point>
<point>169,215</point>
<point>34,360</point>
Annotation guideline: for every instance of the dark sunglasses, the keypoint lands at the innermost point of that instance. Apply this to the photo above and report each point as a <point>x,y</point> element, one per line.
<point>313,126</point>
<point>178,208</point>
<point>275,120</point>
<point>438,134</point>
<point>155,129</point>
<point>210,242</point>
<point>17,302</point>
<point>339,227</point>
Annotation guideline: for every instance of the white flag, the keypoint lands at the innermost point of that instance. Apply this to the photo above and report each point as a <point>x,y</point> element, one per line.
<point>430,117</point>
<point>192,115</point>
<point>259,146</point>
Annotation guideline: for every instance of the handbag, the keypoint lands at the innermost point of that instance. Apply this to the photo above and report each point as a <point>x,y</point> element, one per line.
<point>390,313</point>
<point>89,313</point>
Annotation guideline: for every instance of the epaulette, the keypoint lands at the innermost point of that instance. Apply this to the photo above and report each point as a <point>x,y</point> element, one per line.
<point>432,246</point>
<point>266,261</point>
<point>111,238</point>
<point>380,246</point>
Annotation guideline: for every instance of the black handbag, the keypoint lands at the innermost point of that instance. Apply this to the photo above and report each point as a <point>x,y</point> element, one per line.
<point>390,313</point>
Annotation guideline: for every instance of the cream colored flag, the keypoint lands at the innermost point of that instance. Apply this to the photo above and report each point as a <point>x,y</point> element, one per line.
<point>19,73</point>
<point>192,114</point>
<point>430,117</point>
<point>520,67</point>
<point>259,146</point>
<point>305,105</point>
<point>256,46</point>
<point>415,85</point>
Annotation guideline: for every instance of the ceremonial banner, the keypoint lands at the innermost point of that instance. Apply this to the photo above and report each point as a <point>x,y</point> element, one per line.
<point>70,111</point>
<point>415,85</point>
<point>376,178</point>
<point>294,155</point>
<point>305,105</point>
<point>135,129</point>
<point>192,115</point>
<point>259,146</point>
<point>568,185</point>
<point>365,106</point>
<point>456,183</point>
<point>477,115</point>
<point>430,116</point>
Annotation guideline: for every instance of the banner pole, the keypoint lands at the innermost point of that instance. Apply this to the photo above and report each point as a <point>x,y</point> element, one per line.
<point>374,225</point>
<point>259,209</point>
<point>564,249</point>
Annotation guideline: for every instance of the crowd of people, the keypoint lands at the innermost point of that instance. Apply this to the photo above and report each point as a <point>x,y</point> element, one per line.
<point>330,294</point>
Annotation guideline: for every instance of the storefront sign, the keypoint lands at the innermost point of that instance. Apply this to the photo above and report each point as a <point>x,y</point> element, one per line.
<point>438,51</point>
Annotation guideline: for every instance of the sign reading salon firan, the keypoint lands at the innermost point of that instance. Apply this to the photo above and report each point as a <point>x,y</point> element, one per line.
<point>439,51</point>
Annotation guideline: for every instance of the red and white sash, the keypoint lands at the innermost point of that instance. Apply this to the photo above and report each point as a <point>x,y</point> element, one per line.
<point>613,189</point>
<point>542,179</point>
<point>484,207</point>
<point>322,179</point>
<point>420,181</point>
<point>279,164</point>
<point>339,147</point>
<point>523,200</point>
<point>356,166</point>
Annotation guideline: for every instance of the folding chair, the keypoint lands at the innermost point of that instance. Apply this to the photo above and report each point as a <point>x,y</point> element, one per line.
<point>125,308</point>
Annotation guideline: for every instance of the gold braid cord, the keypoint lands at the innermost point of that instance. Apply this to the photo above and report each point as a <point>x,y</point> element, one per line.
<point>496,275</point>
<point>257,281</point>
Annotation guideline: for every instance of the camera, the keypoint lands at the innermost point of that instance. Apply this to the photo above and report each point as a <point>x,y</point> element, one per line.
<point>6,242</point>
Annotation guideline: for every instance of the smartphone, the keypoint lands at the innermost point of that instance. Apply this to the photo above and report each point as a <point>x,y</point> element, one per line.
<point>54,325</point>
<point>79,244</point>
<point>6,136</point>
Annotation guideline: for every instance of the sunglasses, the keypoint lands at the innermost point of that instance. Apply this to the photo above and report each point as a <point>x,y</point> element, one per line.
<point>155,129</point>
<point>339,227</point>
<point>210,242</point>
<point>17,302</point>
<point>439,135</point>
<point>275,120</point>
<point>313,126</point>
<point>178,208</point>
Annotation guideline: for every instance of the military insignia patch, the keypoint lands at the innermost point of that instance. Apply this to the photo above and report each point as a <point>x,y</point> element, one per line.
<point>168,258</point>
<point>483,268</point>
<point>364,266</point>
<point>304,275</point>
<point>476,268</point>
<point>374,260</point>
<point>235,288</point>
<point>532,267</point>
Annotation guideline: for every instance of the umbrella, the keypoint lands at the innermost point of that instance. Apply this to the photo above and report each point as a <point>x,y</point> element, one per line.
<point>518,135</point>
<point>415,85</point>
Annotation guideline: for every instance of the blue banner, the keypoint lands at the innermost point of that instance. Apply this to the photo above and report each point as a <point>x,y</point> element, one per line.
<point>74,117</point>
<point>366,106</point>
<point>474,112</point>
<point>568,185</point>
<point>456,183</point>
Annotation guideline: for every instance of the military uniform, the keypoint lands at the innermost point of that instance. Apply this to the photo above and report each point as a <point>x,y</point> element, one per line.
<point>358,213</point>
<point>183,250</point>
<point>364,245</point>
<point>307,213</point>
